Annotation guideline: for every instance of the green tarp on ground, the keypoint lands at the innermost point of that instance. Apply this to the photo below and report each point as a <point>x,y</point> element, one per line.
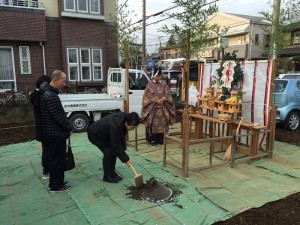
<point>207,196</point>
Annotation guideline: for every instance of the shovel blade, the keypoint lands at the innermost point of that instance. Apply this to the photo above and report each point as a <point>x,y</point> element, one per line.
<point>227,155</point>
<point>139,181</point>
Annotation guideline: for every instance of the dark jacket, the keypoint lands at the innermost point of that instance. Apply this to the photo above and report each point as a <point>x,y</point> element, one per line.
<point>55,125</point>
<point>110,131</point>
<point>35,101</point>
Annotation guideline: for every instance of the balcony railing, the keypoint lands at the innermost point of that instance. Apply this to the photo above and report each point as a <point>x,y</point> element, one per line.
<point>22,3</point>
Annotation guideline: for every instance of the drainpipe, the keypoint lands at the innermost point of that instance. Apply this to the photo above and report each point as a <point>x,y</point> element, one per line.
<point>44,59</point>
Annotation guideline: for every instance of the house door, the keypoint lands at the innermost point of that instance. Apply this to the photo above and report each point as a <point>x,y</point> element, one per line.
<point>7,70</point>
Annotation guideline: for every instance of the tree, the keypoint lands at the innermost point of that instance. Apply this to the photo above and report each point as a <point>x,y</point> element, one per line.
<point>125,37</point>
<point>288,18</point>
<point>193,19</point>
<point>194,30</point>
<point>171,42</point>
<point>124,32</point>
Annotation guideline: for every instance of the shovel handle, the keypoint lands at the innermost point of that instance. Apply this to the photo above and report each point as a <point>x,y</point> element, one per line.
<point>237,130</point>
<point>133,170</point>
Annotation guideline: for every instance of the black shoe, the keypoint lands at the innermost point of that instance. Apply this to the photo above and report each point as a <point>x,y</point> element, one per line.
<point>65,183</point>
<point>110,179</point>
<point>117,177</point>
<point>153,143</point>
<point>65,188</point>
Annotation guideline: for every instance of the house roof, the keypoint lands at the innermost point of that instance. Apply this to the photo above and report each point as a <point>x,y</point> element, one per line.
<point>248,17</point>
<point>241,17</point>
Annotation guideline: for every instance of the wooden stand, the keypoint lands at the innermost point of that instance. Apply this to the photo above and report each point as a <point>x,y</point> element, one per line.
<point>250,148</point>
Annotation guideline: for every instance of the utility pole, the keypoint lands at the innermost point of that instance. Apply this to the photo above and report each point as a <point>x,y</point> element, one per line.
<point>144,33</point>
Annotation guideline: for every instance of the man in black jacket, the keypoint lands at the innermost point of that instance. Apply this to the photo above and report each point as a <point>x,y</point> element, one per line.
<point>35,101</point>
<point>56,128</point>
<point>109,135</point>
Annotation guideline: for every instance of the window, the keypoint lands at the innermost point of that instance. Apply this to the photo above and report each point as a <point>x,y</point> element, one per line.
<point>267,40</point>
<point>280,85</point>
<point>69,5</point>
<point>7,70</point>
<point>97,64</point>
<point>82,6</point>
<point>24,55</point>
<point>116,77</point>
<point>84,64</point>
<point>137,81</point>
<point>73,64</point>
<point>94,6</point>
<point>296,37</point>
<point>256,39</point>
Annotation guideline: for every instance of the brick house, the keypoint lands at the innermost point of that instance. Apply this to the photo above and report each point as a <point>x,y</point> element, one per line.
<point>37,37</point>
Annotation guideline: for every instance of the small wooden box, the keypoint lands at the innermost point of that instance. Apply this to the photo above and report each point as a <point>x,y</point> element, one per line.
<point>234,107</point>
<point>221,105</point>
<point>204,102</point>
<point>218,93</point>
<point>211,103</point>
<point>209,93</point>
<point>224,117</point>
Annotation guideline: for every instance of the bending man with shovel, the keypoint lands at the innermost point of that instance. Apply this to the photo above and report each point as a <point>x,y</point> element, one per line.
<point>109,135</point>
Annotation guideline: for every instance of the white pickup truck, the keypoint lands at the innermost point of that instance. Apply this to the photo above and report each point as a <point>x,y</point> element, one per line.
<point>81,109</point>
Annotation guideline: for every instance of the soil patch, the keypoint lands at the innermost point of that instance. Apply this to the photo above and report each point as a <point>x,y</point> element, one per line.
<point>152,191</point>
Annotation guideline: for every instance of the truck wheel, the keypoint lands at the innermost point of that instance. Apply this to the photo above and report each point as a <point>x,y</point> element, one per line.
<point>292,121</point>
<point>79,122</point>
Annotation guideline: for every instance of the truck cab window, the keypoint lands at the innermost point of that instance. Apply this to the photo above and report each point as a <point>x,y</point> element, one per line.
<point>137,81</point>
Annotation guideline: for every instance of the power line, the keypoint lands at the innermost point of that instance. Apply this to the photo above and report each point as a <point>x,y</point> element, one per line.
<point>155,14</point>
<point>170,16</point>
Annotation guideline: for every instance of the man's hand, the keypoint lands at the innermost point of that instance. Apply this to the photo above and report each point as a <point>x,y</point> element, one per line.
<point>129,163</point>
<point>159,101</point>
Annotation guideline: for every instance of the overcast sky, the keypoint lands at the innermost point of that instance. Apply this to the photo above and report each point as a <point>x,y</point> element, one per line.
<point>153,37</point>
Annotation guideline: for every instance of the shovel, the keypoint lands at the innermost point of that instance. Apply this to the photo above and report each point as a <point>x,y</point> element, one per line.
<point>227,155</point>
<point>138,177</point>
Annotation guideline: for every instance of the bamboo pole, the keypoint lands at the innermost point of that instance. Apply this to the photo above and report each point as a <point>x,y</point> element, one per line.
<point>185,115</point>
<point>272,112</point>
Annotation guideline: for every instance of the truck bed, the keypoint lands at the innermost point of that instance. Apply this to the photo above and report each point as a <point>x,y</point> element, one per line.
<point>90,102</point>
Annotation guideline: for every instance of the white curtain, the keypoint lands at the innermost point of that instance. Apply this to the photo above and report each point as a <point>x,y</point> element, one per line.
<point>6,68</point>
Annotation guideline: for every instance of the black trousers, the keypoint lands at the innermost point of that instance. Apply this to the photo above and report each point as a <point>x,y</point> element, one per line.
<point>109,157</point>
<point>45,158</point>
<point>109,161</point>
<point>56,152</point>
<point>158,138</point>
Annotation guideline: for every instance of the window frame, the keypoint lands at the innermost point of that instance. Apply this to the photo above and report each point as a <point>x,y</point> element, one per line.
<point>93,64</point>
<point>296,37</point>
<point>90,9</point>
<point>256,39</point>
<point>84,64</point>
<point>86,5</point>
<point>70,10</point>
<point>13,78</point>
<point>79,64</point>
<point>28,60</point>
<point>71,64</point>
